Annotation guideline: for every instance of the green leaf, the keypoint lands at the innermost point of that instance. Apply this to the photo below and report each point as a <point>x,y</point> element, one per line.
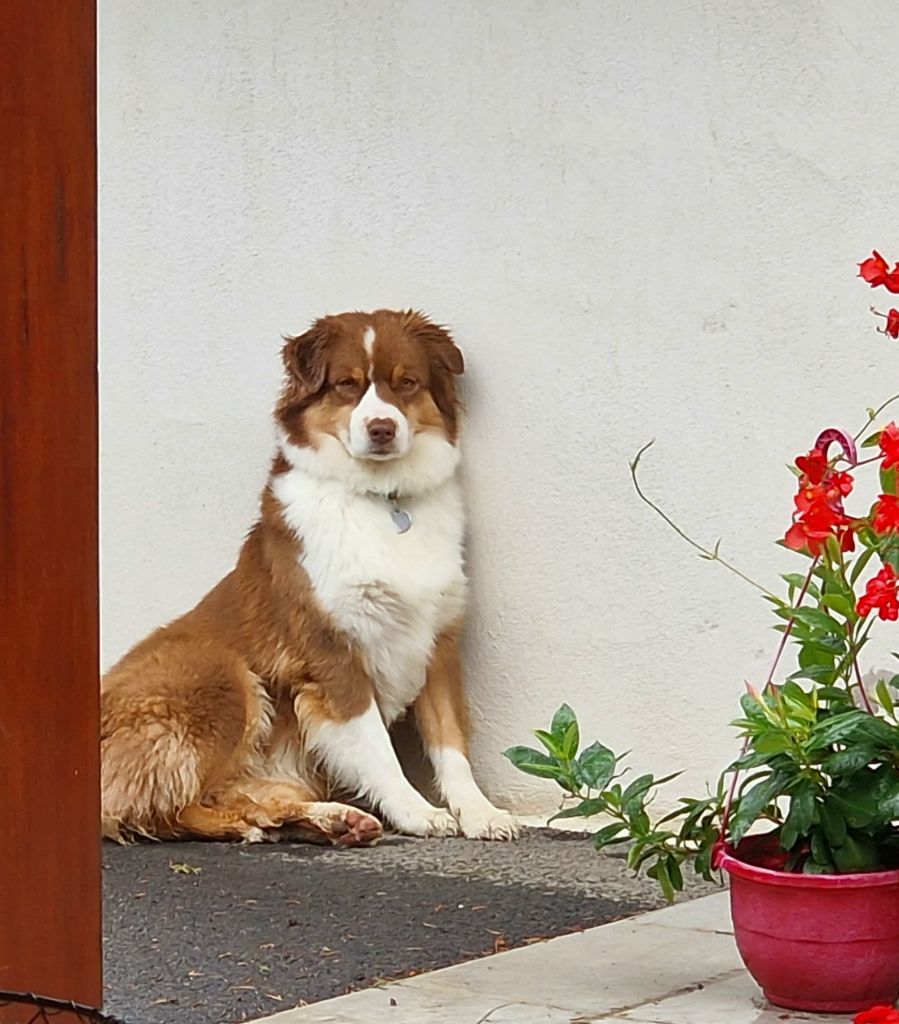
<point>857,805</point>
<point>872,440</point>
<point>879,732</point>
<point>562,720</point>
<point>820,849</point>
<point>885,696</point>
<point>769,743</point>
<point>797,581</point>
<point>632,797</point>
<point>674,873</point>
<point>839,604</point>
<point>858,566</point>
<point>552,743</point>
<point>833,645</point>
<point>857,853</point>
<point>889,548</point>
<point>571,741</point>
<point>888,481</point>
<point>532,762</point>
<point>816,867</point>
<point>833,823</point>
<point>596,765</point>
<point>800,704</point>
<point>609,834</point>
<point>817,619</point>
<point>585,809</point>
<point>837,728</point>
<point>523,755</point>
<point>815,654</point>
<point>886,792</point>
<point>849,761</point>
<point>702,864</point>
<point>817,673</point>
<point>659,871</point>
<point>753,803</point>
<point>800,816</point>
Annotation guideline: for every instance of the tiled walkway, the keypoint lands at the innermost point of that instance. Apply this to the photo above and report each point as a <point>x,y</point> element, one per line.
<point>673,966</point>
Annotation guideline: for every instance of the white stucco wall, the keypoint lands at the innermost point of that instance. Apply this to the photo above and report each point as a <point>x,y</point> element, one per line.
<point>641,221</point>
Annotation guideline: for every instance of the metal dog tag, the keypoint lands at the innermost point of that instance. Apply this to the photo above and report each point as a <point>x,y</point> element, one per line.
<point>402,519</point>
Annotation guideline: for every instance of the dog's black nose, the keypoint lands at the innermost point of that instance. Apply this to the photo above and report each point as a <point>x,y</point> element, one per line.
<point>381,432</point>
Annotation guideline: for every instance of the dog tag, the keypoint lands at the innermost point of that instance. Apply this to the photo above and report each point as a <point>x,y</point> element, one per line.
<point>402,519</point>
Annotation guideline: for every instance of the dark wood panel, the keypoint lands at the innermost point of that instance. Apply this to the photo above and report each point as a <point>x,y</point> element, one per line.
<point>49,767</point>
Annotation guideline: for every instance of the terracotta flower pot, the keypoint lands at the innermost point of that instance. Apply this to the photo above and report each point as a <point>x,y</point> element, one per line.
<point>824,943</point>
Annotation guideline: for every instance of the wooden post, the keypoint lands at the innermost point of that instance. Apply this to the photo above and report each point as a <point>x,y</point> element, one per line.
<point>50,940</point>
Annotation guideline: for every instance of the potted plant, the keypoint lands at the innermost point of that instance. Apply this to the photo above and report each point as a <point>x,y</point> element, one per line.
<point>805,821</point>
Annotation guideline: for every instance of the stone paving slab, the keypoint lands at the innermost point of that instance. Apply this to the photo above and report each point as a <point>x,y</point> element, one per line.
<point>614,972</point>
<point>674,966</point>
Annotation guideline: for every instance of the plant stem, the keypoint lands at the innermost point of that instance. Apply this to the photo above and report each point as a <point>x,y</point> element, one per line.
<point>853,649</point>
<point>874,415</point>
<point>862,462</point>
<point>709,555</point>
<point>732,788</point>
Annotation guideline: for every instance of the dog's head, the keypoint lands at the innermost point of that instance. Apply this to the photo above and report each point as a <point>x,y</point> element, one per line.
<point>369,388</point>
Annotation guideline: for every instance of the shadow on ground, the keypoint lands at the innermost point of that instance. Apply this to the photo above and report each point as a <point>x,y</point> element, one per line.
<point>202,933</point>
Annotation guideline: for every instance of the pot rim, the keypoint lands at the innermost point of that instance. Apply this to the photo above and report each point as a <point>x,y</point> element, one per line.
<point>727,860</point>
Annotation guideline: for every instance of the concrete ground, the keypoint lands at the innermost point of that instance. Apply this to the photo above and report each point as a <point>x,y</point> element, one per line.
<point>203,933</point>
<point>674,966</point>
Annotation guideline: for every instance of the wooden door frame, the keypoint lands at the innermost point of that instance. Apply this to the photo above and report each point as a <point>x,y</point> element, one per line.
<point>50,923</point>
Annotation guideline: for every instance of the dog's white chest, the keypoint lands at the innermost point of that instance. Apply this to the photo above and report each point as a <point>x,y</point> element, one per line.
<point>392,593</point>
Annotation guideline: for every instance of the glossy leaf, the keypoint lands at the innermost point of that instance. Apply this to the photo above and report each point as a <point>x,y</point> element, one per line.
<point>596,766</point>
<point>562,720</point>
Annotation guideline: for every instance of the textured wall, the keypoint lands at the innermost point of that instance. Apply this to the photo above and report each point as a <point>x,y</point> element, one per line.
<point>641,221</point>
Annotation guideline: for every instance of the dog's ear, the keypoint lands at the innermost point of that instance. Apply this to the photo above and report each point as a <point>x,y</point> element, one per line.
<point>442,350</point>
<point>306,359</point>
<point>445,354</point>
<point>446,364</point>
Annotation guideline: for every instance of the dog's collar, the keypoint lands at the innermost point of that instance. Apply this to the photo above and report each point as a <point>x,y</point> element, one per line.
<point>401,517</point>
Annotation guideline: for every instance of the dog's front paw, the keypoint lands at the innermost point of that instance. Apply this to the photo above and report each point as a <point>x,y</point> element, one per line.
<point>254,834</point>
<point>488,823</point>
<point>424,821</point>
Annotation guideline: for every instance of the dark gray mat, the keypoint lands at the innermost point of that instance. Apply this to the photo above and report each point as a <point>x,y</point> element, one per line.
<point>202,933</point>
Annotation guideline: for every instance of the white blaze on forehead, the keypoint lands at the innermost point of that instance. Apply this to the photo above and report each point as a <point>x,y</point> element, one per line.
<point>368,340</point>
<point>373,407</point>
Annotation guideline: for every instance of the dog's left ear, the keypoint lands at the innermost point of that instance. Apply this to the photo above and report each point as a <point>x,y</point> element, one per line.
<point>446,364</point>
<point>443,351</point>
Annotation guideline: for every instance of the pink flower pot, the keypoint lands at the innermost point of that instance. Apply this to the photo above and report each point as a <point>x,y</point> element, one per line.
<point>824,943</point>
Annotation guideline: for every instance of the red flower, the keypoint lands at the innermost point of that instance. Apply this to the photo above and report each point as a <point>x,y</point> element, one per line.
<point>874,269</point>
<point>876,272</point>
<point>878,1015</point>
<point>881,594</point>
<point>814,466</point>
<point>892,327</point>
<point>841,482</point>
<point>889,445</point>
<point>819,506</point>
<point>886,514</point>
<point>817,519</point>
<point>847,540</point>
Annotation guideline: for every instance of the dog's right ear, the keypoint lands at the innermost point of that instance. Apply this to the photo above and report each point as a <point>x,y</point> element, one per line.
<point>306,359</point>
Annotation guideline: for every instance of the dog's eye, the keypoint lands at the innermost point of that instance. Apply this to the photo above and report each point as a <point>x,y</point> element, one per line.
<point>408,383</point>
<point>347,383</point>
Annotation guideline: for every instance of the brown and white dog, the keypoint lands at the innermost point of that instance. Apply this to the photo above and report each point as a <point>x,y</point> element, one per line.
<point>239,719</point>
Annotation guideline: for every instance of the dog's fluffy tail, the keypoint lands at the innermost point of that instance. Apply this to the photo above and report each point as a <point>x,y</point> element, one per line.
<point>150,774</point>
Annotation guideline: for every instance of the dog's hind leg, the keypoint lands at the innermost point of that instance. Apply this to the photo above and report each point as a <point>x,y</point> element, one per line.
<point>177,720</point>
<point>295,810</point>
<point>216,823</point>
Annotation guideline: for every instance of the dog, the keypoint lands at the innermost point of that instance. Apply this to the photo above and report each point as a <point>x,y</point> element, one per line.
<point>244,717</point>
